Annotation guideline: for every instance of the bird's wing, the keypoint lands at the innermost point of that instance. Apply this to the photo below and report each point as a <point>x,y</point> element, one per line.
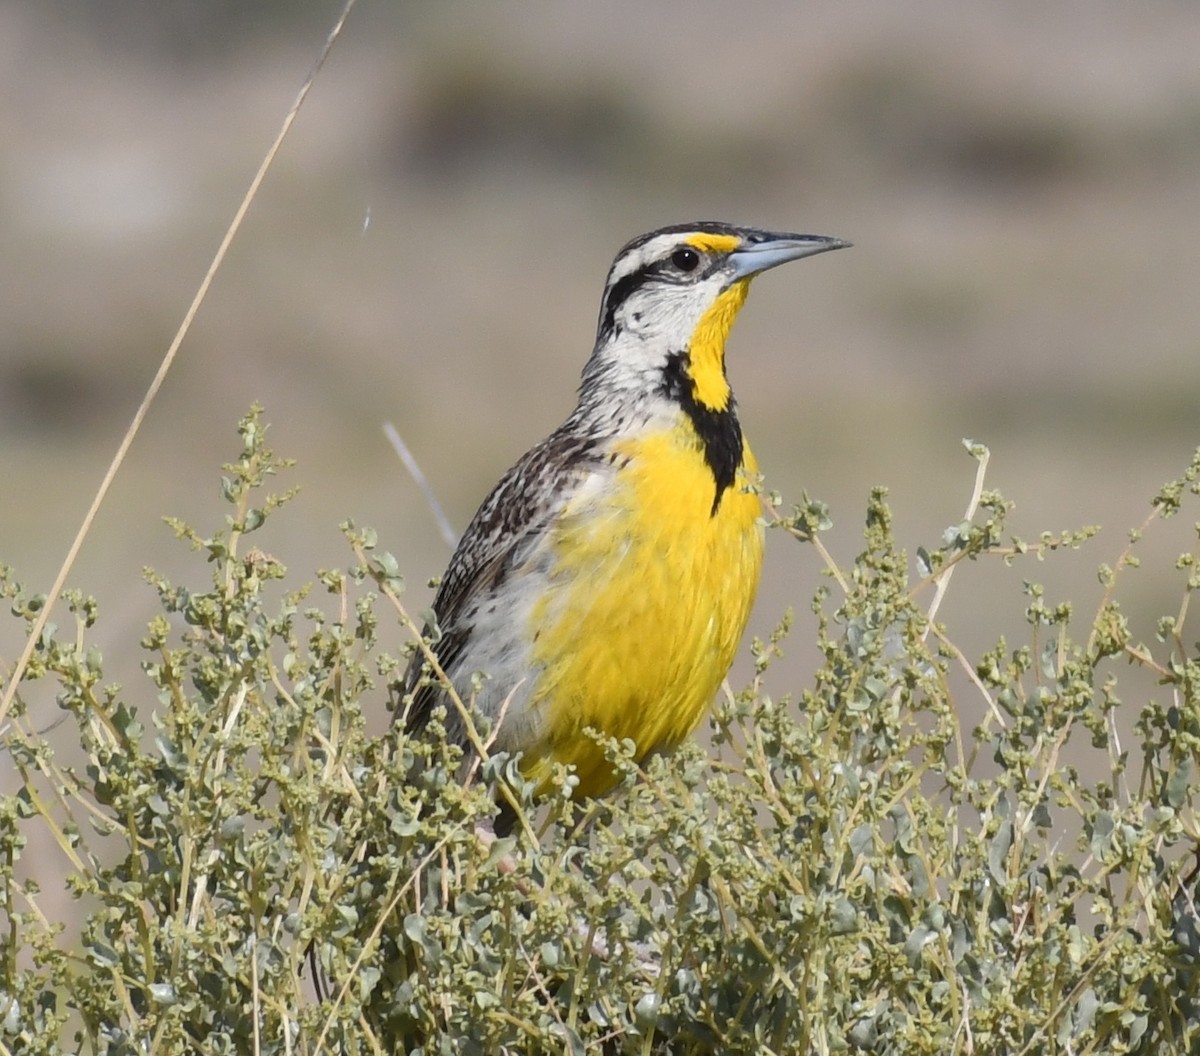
<point>516,513</point>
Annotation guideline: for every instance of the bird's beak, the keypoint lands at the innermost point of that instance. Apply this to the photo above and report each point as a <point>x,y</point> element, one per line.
<point>769,251</point>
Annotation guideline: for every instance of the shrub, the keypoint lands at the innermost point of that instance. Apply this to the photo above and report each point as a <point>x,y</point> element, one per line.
<point>860,868</point>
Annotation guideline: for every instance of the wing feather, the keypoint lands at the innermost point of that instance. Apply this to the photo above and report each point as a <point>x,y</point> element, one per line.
<point>516,513</point>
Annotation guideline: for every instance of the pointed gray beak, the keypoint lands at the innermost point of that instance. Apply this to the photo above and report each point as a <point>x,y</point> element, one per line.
<point>764,251</point>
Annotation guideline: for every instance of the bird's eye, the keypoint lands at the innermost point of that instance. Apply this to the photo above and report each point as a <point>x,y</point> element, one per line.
<point>685,259</point>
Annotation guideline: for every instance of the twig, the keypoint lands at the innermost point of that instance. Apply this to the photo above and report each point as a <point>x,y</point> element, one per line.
<point>414,471</point>
<point>944,581</point>
<point>1122,562</point>
<point>973,676</point>
<point>773,515</point>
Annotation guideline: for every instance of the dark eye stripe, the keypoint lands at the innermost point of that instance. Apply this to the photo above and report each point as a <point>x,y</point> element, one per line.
<point>621,291</point>
<point>629,284</point>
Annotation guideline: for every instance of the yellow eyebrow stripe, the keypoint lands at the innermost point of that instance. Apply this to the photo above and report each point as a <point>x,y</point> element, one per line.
<point>714,243</point>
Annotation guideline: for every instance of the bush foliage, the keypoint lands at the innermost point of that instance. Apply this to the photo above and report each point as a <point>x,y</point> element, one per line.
<point>863,866</point>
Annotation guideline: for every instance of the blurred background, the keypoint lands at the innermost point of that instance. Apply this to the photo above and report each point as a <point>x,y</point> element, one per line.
<point>1019,180</point>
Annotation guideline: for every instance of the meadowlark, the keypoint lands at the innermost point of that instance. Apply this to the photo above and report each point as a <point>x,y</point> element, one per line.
<point>607,579</point>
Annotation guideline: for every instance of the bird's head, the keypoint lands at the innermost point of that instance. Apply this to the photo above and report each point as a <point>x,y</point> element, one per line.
<point>672,296</point>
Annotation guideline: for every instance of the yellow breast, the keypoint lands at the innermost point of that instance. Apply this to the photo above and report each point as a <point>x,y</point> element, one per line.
<point>645,608</point>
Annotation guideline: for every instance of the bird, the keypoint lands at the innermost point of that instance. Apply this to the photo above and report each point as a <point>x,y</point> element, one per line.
<point>606,581</point>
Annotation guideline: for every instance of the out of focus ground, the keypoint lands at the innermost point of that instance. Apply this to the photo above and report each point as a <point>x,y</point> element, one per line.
<point>1019,182</point>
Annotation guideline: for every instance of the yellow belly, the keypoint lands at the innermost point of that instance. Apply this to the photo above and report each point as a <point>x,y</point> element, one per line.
<point>645,608</point>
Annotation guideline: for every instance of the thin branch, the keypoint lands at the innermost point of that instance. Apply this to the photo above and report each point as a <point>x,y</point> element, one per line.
<point>972,507</point>
<point>414,471</point>
<point>773,515</point>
